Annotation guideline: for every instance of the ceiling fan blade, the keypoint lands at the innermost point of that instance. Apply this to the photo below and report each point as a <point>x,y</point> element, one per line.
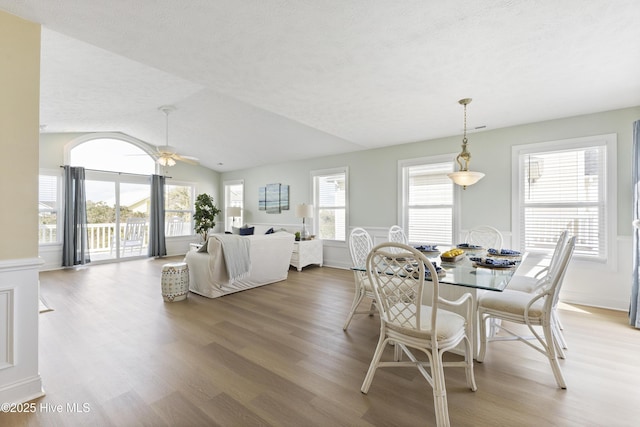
<point>166,150</point>
<point>187,159</point>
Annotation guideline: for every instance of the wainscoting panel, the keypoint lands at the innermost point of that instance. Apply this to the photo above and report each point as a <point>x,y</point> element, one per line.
<point>6,328</point>
<point>19,310</point>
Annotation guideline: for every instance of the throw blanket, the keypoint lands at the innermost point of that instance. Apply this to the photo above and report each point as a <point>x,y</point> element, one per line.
<point>235,250</point>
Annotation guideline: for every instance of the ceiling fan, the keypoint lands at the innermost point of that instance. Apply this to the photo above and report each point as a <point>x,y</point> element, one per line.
<point>168,155</point>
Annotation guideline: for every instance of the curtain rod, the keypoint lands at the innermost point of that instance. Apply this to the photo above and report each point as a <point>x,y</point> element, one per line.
<point>121,173</point>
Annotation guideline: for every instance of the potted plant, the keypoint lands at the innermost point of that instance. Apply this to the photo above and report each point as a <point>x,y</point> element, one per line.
<point>205,215</point>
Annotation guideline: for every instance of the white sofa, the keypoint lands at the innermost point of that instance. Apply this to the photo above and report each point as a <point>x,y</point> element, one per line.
<point>270,255</point>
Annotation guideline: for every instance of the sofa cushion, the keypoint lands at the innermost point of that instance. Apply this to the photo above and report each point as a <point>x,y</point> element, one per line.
<point>247,231</point>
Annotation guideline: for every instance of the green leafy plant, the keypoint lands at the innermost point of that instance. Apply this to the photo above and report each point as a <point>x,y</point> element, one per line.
<point>205,215</point>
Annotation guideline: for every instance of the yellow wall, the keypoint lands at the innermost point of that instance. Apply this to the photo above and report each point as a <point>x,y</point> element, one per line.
<point>19,129</point>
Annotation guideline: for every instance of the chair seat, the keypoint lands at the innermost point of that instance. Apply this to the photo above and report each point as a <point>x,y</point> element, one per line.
<point>366,284</point>
<point>449,324</point>
<point>513,302</point>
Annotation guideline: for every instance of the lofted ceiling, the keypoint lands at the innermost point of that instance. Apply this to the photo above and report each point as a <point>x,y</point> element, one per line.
<point>264,81</point>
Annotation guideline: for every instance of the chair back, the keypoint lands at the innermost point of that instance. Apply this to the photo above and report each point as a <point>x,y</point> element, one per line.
<point>554,263</point>
<point>174,226</point>
<point>360,244</point>
<point>135,229</point>
<point>563,239</point>
<point>556,276</point>
<point>397,274</point>
<point>485,236</point>
<point>396,235</point>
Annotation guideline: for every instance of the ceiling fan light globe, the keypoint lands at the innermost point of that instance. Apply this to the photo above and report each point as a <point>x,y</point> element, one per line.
<point>166,161</point>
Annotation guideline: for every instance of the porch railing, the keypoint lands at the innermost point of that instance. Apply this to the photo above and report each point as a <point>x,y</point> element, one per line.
<point>101,237</point>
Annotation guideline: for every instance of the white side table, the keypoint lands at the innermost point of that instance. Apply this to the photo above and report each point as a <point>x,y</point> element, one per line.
<point>195,246</point>
<point>306,252</point>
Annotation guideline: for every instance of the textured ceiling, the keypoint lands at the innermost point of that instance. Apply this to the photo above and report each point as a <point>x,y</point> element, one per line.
<point>263,81</point>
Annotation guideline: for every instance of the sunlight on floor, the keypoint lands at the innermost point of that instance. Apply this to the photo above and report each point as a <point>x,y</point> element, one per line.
<point>564,306</point>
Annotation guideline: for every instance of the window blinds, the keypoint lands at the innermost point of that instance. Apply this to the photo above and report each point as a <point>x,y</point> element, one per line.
<point>564,189</point>
<point>330,190</point>
<point>429,203</point>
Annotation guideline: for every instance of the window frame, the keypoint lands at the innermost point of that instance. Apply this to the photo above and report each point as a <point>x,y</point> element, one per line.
<point>315,175</point>
<point>146,148</point>
<point>191,211</point>
<point>403,193</point>
<point>227,202</point>
<point>59,205</point>
<point>608,190</point>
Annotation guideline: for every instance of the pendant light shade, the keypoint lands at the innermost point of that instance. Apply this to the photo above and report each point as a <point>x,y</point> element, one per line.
<point>465,178</point>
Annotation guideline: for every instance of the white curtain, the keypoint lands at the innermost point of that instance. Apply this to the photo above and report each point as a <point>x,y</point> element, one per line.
<point>634,308</point>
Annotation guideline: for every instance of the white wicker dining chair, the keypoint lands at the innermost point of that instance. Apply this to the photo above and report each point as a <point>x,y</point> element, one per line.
<point>360,244</point>
<point>534,284</point>
<point>396,235</point>
<point>397,273</point>
<point>485,236</point>
<point>533,310</point>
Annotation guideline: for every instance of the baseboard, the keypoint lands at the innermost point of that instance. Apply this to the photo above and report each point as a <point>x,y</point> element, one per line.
<point>22,391</point>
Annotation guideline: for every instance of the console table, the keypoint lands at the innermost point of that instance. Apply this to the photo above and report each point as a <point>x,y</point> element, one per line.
<point>306,252</point>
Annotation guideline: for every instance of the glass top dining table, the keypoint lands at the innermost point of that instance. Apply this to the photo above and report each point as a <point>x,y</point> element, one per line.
<point>470,274</point>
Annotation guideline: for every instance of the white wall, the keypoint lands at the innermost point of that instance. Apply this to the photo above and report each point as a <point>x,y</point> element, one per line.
<point>373,192</point>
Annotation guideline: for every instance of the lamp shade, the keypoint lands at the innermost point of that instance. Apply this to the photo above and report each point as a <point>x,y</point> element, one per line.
<point>465,178</point>
<point>304,211</point>
<point>234,211</point>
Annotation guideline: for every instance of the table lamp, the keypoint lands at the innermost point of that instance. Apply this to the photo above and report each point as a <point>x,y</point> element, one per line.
<point>233,212</point>
<point>304,211</point>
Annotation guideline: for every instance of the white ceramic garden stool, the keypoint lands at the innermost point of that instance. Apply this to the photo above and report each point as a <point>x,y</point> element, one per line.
<point>175,281</point>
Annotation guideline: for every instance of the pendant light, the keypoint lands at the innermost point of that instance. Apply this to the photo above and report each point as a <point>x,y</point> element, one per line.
<point>464,177</point>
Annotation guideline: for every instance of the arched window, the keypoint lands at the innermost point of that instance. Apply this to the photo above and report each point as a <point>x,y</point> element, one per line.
<point>109,152</point>
<point>118,193</point>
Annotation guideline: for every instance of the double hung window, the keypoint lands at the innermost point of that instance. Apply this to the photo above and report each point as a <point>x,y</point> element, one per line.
<point>565,185</point>
<point>178,202</point>
<point>233,198</point>
<point>330,188</point>
<point>48,208</point>
<point>428,200</point>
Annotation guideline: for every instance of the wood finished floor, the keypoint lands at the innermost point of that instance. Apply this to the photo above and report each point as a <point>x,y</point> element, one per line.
<point>277,356</point>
